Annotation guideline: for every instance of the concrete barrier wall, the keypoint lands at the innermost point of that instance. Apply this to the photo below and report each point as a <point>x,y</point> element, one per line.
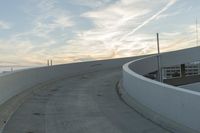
<point>14,83</point>
<point>179,105</point>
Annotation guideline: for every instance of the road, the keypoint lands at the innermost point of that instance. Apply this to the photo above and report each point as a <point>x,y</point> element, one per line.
<point>81,104</point>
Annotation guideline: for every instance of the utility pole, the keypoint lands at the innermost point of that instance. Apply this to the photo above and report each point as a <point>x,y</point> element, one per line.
<point>197,33</point>
<point>158,60</point>
<point>197,40</point>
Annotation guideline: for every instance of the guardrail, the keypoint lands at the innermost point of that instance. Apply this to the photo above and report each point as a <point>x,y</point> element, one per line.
<point>176,108</point>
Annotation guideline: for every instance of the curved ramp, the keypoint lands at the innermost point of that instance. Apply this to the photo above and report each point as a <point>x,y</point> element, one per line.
<point>86,103</point>
<point>173,107</point>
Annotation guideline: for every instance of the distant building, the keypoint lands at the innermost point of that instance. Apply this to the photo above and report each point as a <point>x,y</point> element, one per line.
<point>175,71</point>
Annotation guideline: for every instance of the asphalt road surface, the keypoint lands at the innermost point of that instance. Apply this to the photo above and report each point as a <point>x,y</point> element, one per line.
<point>81,104</point>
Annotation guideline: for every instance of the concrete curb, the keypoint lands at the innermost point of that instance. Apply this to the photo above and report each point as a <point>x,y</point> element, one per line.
<point>147,113</point>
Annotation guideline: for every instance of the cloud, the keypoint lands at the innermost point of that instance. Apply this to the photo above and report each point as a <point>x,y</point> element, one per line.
<point>44,25</point>
<point>111,24</point>
<point>93,3</point>
<point>47,17</point>
<point>116,21</point>
<point>15,51</point>
<point>33,46</point>
<point>193,27</point>
<point>116,15</point>
<point>167,15</point>
<point>171,2</point>
<point>4,25</point>
<point>51,18</point>
<point>63,22</point>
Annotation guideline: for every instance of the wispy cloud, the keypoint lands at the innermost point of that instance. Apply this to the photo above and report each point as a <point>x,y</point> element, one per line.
<point>167,15</point>
<point>171,2</point>
<point>33,46</point>
<point>93,4</point>
<point>50,18</point>
<point>115,28</point>
<point>113,22</point>
<point>4,25</point>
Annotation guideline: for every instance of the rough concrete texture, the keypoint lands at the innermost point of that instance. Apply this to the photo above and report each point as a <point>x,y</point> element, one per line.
<point>80,104</point>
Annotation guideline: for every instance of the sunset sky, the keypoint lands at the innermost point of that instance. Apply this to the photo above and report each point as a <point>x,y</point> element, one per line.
<point>32,31</point>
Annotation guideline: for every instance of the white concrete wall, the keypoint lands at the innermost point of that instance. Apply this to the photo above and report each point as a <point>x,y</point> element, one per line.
<point>12,84</point>
<point>146,65</point>
<point>179,105</point>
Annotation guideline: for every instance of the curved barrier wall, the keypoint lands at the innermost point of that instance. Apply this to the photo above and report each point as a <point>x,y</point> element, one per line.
<point>178,105</point>
<point>14,83</point>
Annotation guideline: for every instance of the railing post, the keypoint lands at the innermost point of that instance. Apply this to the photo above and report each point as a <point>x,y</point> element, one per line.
<point>47,62</point>
<point>51,62</point>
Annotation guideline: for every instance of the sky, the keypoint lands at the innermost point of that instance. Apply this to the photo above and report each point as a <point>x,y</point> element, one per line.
<point>33,31</point>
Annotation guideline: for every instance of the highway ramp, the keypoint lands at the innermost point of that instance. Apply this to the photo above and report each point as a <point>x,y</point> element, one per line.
<point>86,103</point>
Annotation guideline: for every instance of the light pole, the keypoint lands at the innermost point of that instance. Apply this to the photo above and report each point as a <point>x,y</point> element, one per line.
<point>197,41</point>
<point>158,60</point>
<point>197,33</point>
